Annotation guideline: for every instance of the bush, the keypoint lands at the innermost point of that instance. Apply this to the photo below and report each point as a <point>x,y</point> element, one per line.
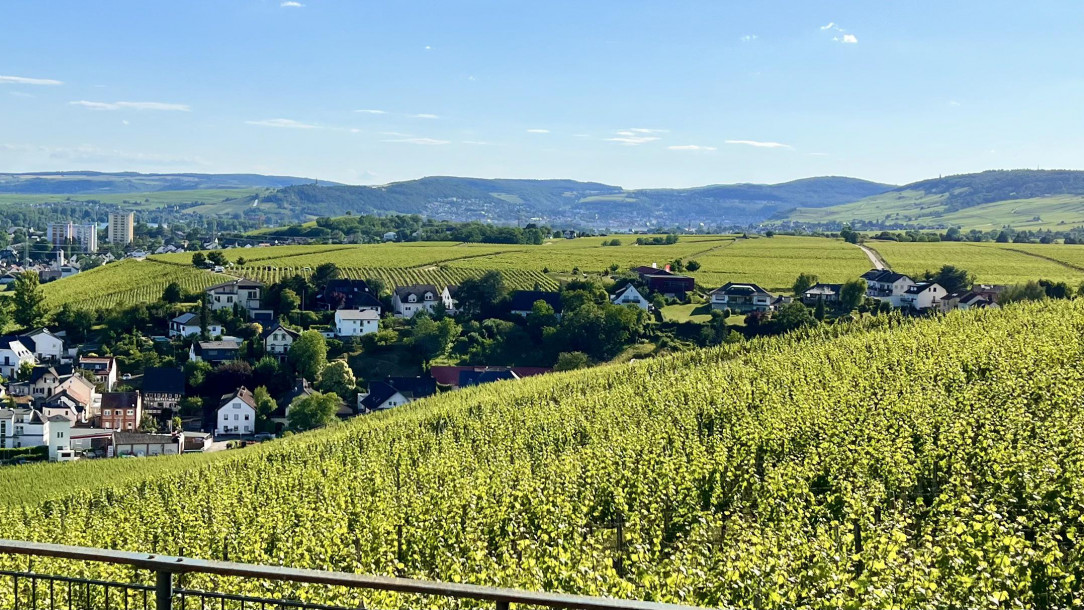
<point>29,453</point>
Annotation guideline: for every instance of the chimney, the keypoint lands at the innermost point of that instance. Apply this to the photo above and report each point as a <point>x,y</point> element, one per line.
<point>667,267</point>
<point>654,265</point>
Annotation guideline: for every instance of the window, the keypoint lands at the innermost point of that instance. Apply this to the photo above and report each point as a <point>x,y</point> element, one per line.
<point>235,417</point>
<point>107,412</point>
<point>131,411</point>
<point>246,416</point>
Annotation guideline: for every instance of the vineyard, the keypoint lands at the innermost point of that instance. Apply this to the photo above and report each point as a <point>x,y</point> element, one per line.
<point>920,464</point>
<point>516,279</point>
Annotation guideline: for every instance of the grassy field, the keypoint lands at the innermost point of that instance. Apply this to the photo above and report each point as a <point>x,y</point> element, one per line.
<point>990,262</point>
<point>148,200</point>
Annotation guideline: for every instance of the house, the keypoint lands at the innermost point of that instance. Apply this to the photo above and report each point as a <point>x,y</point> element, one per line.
<point>163,389</point>
<point>75,398</point>
<point>829,293</point>
<point>409,300</point>
<point>103,367</point>
<point>741,298</point>
<point>923,295</point>
<point>356,322</point>
<point>391,236</point>
<point>140,444</point>
<point>277,340</point>
<point>349,294</point>
<point>215,352</point>
<point>121,410</point>
<point>237,413</point>
<point>974,300</point>
<point>885,285</point>
<point>42,382</point>
<point>13,353</point>
<point>469,378</point>
<point>241,292</point>
<point>447,296</point>
<point>665,282</point>
<point>395,391</point>
<point>46,346</point>
<point>22,427</point>
<point>629,295</point>
<point>521,302</point>
<point>58,433</point>
<point>185,325</point>
<point>449,376</point>
<point>300,389</point>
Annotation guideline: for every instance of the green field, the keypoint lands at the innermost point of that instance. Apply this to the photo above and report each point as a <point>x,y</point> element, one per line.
<point>125,283</point>
<point>239,198</point>
<point>990,262</point>
<point>743,476</point>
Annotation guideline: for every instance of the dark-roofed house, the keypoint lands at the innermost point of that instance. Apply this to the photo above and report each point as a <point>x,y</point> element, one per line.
<point>214,351</point>
<point>184,325</point>
<point>666,282</point>
<point>277,340</point>
<point>829,293</point>
<point>449,375</point>
<point>409,300</point>
<point>522,301</point>
<point>923,295</point>
<point>42,382</point>
<point>395,391</point>
<point>12,354</point>
<point>629,295</point>
<point>469,378</point>
<point>236,413</point>
<point>300,389</point>
<point>163,389</point>
<point>342,293</point>
<point>886,285</point>
<point>121,410</point>
<point>47,347</point>
<point>741,297</point>
<point>103,367</point>
<point>242,292</point>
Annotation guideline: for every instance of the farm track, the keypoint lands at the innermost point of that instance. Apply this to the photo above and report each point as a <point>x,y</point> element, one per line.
<point>1065,264</point>
<point>875,257</point>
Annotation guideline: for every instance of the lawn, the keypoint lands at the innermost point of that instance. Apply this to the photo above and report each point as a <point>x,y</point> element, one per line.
<point>690,312</point>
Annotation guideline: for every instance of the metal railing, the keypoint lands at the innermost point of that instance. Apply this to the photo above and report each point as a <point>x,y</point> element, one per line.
<point>34,590</point>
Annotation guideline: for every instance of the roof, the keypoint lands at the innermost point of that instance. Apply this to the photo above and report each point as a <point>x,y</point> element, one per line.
<point>163,380</point>
<point>300,389</point>
<point>185,318</point>
<point>921,287</point>
<point>233,285</point>
<point>413,387</point>
<point>524,300</point>
<point>451,290</point>
<point>6,342</point>
<point>623,290</point>
<point>277,327</point>
<point>95,363</point>
<point>379,393</point>
<point>645,270</point>
<point>357,314</point>
<point>356,294</point>
<point>242,393</point>
<point>449,375</point>
<point>40,371</point>
<point>824,289</point>
<point>119,400</point>
<point>41,331</point>
<point>739,289</point>
<point>417,290</point>
<point>971,296</point>
<point>77,388</point>
<point>883,276</point>
<point>224,344</point>
<point>469,378</point>
<point>142,438</point>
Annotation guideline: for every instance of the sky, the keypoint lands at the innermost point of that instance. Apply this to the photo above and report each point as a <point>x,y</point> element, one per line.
<point>630,93</point>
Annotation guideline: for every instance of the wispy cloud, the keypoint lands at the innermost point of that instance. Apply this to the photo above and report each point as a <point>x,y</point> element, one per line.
<point>748,38</point>
<point>284,123</point>
<point>291,4</point>
<point>421,141</point>
<point>538,131</point>
<point>954,103</point>
<point>843,36</point>
<point>692,147</point>
<point>758,144</point>
<point>644,130</point>
<point>371,111</point>
<point>636,136</point>
<point>831,25</point>
<point>95,154</point>
<point>132,106</point>
<point>632,140</point>
<point>847,39</point>
<point>424,116</point>
<point>23,80</point>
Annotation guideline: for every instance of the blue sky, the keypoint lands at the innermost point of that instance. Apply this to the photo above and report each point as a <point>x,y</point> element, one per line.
<point>632,93</point>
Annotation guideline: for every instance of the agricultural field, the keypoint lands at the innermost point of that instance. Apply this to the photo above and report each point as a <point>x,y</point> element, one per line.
<point>144,201</point>
<point>775,262</point>
<point>125,283</point>
<point>812,470</point>
<point>990,262</point>
<point>516,279</point>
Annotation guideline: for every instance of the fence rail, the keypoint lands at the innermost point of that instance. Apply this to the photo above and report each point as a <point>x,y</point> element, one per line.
<point>77,593</point>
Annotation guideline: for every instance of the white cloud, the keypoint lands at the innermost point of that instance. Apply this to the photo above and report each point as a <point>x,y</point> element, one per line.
<point>284,123</point>
<point>693,147</point>
<point>428,48</point>
<point>132,106</point>
<point>643,130</point>
<point>370,111</point>
<point>538,131</point>
<point>848,39</point>
<point>748,38</point>
<point>831,26</point>
<point>759,144</point>
<point>22,80</point>
<point>632,140</point>
<point>581,135</point>
<point>424,116</point>
<point>422,141</point>
<point>291,4</point>
<point>845,38</point>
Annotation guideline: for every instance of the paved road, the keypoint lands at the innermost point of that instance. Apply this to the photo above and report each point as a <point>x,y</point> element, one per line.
<point>874,257</point>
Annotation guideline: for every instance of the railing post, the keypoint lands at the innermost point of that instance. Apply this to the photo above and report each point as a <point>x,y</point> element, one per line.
<point>163,590</point>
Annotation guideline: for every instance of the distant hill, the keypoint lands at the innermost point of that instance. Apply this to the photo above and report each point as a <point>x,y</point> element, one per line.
<point>572,202</point>
<point>1024,199</point>
<point>98,183</point>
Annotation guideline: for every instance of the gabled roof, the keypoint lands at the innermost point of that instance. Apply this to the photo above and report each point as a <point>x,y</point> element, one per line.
<point>234,285</point>
<point>921,287</point>
<point>186,318</point>
<point>279,327</point>
<point>646,270</point>
<point>119,400</point>
<point>41,331</point>
<point>469,378</point>
<point>242,393</point>
<point>357,314</point>
<point>163,380</point>
<point>97,363</point>
<point>227,344</point>
<point>451,290</point>
<point>417,290</point>
<point>824,289</point>
<point>413,387</point>
<point>379,393</point>
<point>743,289</point>
<point>883,276</point>
<point>524,300</point>
<point>972,297</point>
<point>620,293</point>
<point>9,341</point>
<point>356,294</point>
<point>41,370</point>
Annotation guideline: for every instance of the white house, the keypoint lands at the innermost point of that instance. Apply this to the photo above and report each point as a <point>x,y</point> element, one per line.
<point>22,428</point>
<point>380,396</point>
<point>59,435</point>
<point>889,286</point>
<point>237,413</point>
<point>923,295</point>
<point>629,295</point>
<point>741,298</point>
<point>184,325</point>
<point>42,382</point>
<point>46,346</point>
<point>242,292</point>
<point>409,300</point>
<point>277,340</point>
<point>356,322</point>
<point>104,369</point>
<point>447,296</point>
<point>13,353</point>
<point>391,236</point>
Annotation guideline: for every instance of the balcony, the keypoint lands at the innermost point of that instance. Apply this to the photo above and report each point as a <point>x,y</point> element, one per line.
<point>165,582</point>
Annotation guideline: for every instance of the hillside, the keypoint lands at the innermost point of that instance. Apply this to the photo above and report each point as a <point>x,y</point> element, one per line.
<point>571,202</point>
<point>931,463</point>
<point>1024,199</point>
<point>86,183</point>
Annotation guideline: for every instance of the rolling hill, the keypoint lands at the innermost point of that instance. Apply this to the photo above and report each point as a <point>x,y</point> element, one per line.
<point>1023,199</point>
<point>98,183</point>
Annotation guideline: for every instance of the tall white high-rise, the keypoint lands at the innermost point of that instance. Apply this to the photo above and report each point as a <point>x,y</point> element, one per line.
<point>121,227</point>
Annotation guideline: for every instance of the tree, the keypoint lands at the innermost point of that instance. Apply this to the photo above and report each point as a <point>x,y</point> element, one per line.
<point>308,355</point>
<point>952,278</point>
<point>324,273</point>
<point>172,293</point>
<point>29,300</point>
<point>148,423</point>
<point>542,316</point>
<point>804,282</point>
<point>849,235</point>
<point>313,411</point>
<point>569,361</point>
<point>432,338</point>
<point>288,302</point>
<point>241,261</point>
<point>338,378</point>
<point>265,405</point>
<point>1003,237</point>
<point>75,322</point>
<point>692,265</point>
<point>482,295</point>
<point>26,369</point>
<point>175,424</point>
<point>199,259</point>
<point>216,257</point>
<point>851,294</point>
<point>793,316</point>
<point>818,311</point>
<point>191,405</point>
<point>1030,291</point>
